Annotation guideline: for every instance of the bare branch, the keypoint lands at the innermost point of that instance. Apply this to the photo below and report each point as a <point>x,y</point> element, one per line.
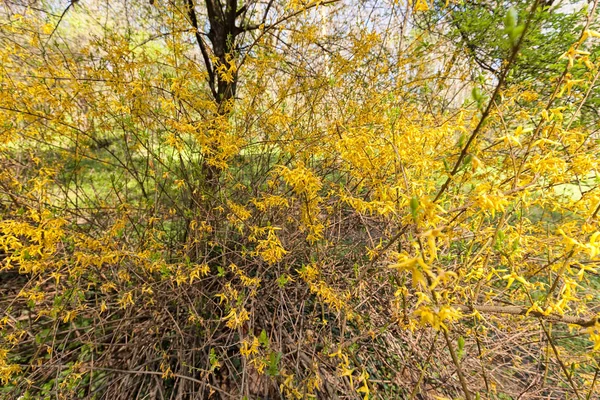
<point>202,45</point>
<point>60,19</point>
<point>518,310</point>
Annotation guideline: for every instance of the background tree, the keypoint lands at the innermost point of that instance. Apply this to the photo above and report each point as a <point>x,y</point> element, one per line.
<point>296,200</point>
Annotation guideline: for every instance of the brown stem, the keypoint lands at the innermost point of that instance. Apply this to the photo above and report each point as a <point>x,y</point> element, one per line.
<point>518,310</point>
<point>461,376</point>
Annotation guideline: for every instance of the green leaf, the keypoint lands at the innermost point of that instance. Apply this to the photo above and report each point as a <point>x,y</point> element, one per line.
<point>477,95</point>
<point>414,206</point>
<point>467,160</point>
<point>499,239</point>
<point>282,280</point>
<point>273,365</point>
<point>461,347</point>
<point>263,339</point>
<point>515,34</point>
<point>511,19</point>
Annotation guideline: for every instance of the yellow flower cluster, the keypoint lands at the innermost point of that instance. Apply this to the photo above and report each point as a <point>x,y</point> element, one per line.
<point>270,248</point>
<point>338,301</point>
<point>306,186</point>
<point>437,317</point>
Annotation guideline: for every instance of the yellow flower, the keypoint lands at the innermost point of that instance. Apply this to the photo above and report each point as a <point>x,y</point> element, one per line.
<point>270,249</point>
<point>348,372</point>
<point>512,277</point>
<point>235,319</point>
<point>421,5</point>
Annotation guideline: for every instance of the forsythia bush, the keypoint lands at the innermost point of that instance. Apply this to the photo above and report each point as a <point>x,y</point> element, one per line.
<point>306,215</point>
